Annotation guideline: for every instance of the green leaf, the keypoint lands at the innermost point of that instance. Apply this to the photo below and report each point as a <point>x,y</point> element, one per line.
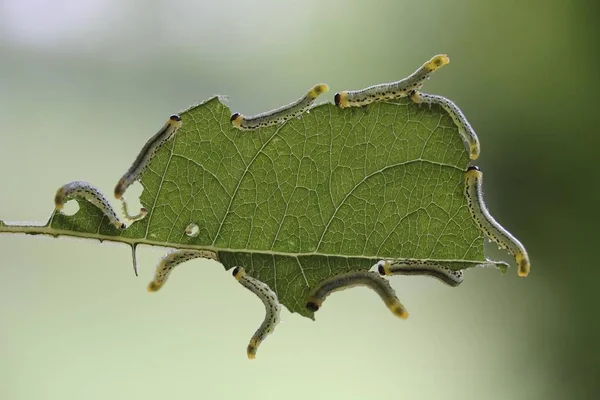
<point>332,192</point>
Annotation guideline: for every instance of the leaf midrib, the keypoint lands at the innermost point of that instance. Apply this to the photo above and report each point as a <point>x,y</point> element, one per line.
<point>134,241</point>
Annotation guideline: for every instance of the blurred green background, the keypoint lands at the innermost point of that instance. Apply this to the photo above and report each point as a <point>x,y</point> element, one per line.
<point>84,83</point>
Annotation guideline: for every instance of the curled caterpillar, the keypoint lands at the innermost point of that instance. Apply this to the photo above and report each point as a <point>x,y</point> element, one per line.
<point>272,308</point>
<point>147,154</point>
<point>141,215</point>
<point>464,128</point>
<point>420,267</point>
<point>89,192</point>
<point>172,259</point>
<point>394,90</point>
<point>192,230</point>
<point>488,225</point>
<point>281,114</point>
<point>357,278</point>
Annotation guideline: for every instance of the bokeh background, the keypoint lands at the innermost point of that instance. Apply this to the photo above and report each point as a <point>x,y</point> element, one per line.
<point>84,83</point>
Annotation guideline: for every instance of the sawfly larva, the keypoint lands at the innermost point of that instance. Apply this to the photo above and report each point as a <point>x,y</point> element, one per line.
<point>89,192</point>
<point>390,91</point>
<point>420,267</point>
<point>464,128</point>
<point>358,278</point>
<point>488,225</point>
<point>172,259</point>
<point>281,114</point>
<point>147,154</point>
<point>272,308</point>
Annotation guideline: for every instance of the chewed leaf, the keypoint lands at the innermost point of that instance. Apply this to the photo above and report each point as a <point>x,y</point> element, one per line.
<point>331,192</point>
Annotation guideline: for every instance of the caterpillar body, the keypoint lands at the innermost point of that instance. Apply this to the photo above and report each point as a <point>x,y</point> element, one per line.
<point>281,114</point>
<point>272,308</point>
<point>89,192</point>
<point>358,278</point>
<point>192,230</point>
<point>147,153</point>
<point>465,130</point>
<point>394,90</point>
<point>420,267</point>
<point>488,225</point>
<point>172,259</point>
<point>141,215</point>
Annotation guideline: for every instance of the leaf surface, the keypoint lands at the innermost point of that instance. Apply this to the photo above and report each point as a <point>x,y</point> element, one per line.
<point>334,191</point>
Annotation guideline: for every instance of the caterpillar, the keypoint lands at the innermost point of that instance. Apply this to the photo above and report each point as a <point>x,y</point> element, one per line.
<point>357,278</point>
<point>281,114</point>
<point>192,230</point>
<point>488,225</point>
<point>147,154</point>
<point>141,215</point>
<point>172,259</point>
<point>420,267</point>
<point>464,128</point>
<point>394,90</point>
<point>90,193</point>
<point>272,308</point>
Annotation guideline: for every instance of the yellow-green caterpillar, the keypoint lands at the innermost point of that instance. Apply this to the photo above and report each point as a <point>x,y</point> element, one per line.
<point>147,153</point>
<point>141,215</point>
<point>420,267</point>
<point>488,225</point>
<point>394,90</point>
<point>464,128</point>
<point>192,230</point>
<point>272,308</point>
<point>89,192</point>
<point>358,278</point>
<point>281,114</point>
<point>172,259</point>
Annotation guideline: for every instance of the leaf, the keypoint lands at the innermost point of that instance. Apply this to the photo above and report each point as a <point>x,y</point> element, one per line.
<point>332,192</point>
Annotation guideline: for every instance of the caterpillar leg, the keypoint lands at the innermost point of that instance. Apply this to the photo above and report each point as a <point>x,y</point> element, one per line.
<point>272,308</point>
<point>172,259</point>
<point>415,96</point>
<point>420,267</point>
<point>358,278</point>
